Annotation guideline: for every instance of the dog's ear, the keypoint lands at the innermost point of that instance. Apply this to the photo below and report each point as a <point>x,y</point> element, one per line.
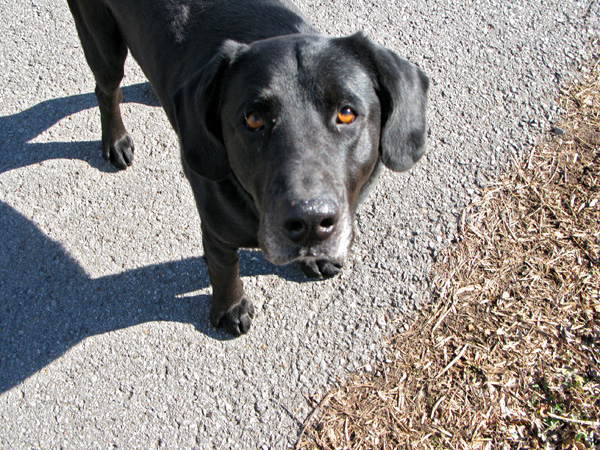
<point>196,116</point>
<point>402,91</point>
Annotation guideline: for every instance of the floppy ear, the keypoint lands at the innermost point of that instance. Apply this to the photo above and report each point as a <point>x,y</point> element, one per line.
<point>196,116</point>
<point>402,91</point>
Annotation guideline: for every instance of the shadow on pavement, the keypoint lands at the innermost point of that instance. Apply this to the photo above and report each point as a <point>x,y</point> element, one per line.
<point>48,303</point>
<point>20,128</point>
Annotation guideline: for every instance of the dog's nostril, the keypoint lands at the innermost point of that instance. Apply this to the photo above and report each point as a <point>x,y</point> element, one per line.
<point>296,230</point>
<point>325,228</point>
<point>327,223</point>
<point>295,226</point>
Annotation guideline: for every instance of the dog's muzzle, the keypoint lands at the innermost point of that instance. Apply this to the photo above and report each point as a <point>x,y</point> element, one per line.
<point>306,229</point>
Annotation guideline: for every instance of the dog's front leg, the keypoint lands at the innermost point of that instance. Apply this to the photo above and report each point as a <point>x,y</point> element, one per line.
<point>230,308</point>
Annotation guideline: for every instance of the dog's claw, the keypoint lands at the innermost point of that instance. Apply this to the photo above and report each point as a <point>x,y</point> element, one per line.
<point>236,320</point>
<point>320,268</point>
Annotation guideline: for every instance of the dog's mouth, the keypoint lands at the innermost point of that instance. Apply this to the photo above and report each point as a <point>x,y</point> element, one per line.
<point>285,254</point>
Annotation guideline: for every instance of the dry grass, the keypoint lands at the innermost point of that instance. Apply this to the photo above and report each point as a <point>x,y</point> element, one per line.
<point>508,356</point>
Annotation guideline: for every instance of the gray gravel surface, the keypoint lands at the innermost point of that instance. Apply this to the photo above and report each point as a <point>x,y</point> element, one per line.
<point>104,333</point>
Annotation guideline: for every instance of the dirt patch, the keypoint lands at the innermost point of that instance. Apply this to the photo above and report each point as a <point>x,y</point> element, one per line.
<point>508,356</point>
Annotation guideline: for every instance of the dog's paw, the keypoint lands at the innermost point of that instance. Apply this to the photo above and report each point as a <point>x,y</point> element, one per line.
<point>320,268</point>
<point>236,320</point>
<point>120,152</point>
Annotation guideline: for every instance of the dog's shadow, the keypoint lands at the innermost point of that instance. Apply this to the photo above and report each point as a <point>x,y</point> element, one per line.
<point>48,303</point>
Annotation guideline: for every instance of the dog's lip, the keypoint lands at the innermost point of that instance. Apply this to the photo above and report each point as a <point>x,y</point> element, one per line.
<point>313,253</point>
<point>308,252</point>
<point>321,250</point>
<point>296,253</point>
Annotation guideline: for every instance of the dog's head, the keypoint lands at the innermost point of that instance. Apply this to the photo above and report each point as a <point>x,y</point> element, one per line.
<point>302,122</point>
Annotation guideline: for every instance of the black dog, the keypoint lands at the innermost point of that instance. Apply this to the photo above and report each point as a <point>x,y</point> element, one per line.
<point>282,130</point>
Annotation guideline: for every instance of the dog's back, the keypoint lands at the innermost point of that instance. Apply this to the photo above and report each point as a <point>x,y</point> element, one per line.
<point>182,35</point>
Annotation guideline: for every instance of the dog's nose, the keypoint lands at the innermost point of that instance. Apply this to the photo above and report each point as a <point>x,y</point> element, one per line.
<point>310,222</point>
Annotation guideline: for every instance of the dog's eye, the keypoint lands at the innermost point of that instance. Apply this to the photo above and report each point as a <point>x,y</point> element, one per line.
<point>254,121</point>
<point>346,116</point>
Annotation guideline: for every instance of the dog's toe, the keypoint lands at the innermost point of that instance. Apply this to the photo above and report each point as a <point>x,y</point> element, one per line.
<point>320,268</point>
<point>236,320</point>
<point>120,152</point>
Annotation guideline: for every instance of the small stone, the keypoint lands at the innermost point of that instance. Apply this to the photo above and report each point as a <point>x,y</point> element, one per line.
<point>260,407</point>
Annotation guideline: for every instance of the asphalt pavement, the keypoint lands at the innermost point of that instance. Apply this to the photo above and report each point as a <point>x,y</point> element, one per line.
<point>104,334</point>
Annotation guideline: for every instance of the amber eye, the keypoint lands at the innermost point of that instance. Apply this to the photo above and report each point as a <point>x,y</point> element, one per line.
<point>254,121</point>
<point>346,116</point>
